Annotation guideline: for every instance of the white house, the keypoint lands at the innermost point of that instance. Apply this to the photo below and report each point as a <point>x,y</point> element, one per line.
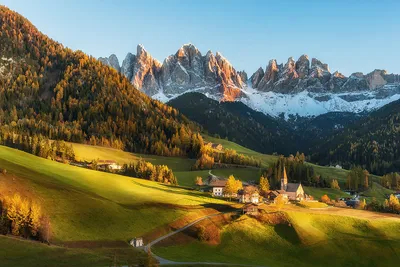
<point>137,242</point>
<point>218,187</point>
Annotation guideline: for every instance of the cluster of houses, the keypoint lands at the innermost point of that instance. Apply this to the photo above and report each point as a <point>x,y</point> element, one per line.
<point>250,193</point>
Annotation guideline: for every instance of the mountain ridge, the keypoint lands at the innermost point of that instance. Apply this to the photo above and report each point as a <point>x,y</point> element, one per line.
<point>308,82</point>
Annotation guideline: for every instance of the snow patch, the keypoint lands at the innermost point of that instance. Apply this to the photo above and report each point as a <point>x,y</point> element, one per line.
<point>305,104</point>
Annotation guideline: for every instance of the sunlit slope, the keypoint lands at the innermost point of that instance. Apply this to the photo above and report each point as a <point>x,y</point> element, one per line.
<point>310,240</point>
<point>91,205</point>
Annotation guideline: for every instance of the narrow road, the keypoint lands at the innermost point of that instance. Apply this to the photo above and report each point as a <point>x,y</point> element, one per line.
<point>163,261</point>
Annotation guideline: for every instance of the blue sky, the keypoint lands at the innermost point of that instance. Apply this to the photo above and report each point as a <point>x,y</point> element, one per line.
<point>348,35</point>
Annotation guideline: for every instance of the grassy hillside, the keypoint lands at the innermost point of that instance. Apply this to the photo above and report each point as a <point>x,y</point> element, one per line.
<point>311,240</point>
<point>89,153</point>
<point>182,166</point>
<point>265,158</point>
<point>18,252</point>
<point>377,191</point>
<point>317,193</point>
<point>91,208</point>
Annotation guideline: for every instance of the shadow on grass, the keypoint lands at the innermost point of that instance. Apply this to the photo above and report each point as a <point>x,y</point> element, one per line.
<point>288,233</point>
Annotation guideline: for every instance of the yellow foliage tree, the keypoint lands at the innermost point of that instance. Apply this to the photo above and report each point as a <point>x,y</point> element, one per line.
<point>232,186</point>
<point>35,216</point>
<point>279,202</point>
<point>335,184</point>
<point>264,185</point>
<point>18,212</point>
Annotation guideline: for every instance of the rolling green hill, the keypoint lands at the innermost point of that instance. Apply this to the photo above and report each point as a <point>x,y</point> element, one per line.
<point>182,166</point>
<point>97,208</point>
<point>311,239</point>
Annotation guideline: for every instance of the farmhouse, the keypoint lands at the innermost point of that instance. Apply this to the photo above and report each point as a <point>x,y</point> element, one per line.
<point>249,194</point>
<point>108,165</point>
<point>218,186</point>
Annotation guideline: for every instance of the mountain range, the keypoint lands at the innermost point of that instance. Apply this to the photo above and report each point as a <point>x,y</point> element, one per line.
<point>304,87</point>
<point>47,90</point>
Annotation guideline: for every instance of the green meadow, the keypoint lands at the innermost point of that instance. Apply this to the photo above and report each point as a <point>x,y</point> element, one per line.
<point>309,240</point>
<point>96,209</point>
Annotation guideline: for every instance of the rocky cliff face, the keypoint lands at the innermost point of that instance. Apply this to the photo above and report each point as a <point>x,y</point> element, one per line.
<point>212,74</point>
<point>111,61</point>
<point>186,70</point>
<point>300,75</point>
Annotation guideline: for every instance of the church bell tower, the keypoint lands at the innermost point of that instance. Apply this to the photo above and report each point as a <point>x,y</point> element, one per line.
<point>284,180</point>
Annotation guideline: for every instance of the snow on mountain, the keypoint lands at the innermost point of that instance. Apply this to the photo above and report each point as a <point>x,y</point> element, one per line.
<point>305,104</point>
<point>308,104</point>
<point>299,87</point>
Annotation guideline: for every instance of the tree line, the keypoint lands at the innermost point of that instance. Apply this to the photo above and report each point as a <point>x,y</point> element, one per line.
<point>38,145</point>
<point>148,171</point>
<point>296,170</point>
<point>208,158</point>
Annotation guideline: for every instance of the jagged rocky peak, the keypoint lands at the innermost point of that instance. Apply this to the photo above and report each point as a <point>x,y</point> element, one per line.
<point>145,71</point>
<point>256,77</point>
<point>376,78</point>
<point>111,61</point>
<point>243,76</point>
<point>300,75</point>
<point>127,66</point>
<point>320,70</point>
<point>230,75</point>
<point>289,70</point>
<point>303,66</point>
<point>270,76</point>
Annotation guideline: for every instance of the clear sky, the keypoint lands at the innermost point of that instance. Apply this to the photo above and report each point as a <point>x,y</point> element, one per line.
<point>352,35</point>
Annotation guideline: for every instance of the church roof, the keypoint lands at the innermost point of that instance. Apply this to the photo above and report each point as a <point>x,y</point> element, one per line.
<point>292,187</point>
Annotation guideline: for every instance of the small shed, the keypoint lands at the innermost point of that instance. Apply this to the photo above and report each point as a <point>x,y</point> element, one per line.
<point>137,242</point>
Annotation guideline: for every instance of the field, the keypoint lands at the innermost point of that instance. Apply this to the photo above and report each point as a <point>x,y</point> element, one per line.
<point>182,166</point>
<point>317,193</point>
<point>18,252</point>
<point>265,159</point>
<point>336,173</point>
<point>313,238</point>
<point>97,209</point>
<point>89,153</point>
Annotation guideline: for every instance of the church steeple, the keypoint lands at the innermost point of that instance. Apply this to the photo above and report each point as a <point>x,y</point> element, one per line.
<point>284,180</point>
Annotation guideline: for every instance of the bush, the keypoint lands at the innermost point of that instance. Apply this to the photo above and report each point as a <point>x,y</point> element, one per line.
<point>273,218</point>
<point>325,199</point>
